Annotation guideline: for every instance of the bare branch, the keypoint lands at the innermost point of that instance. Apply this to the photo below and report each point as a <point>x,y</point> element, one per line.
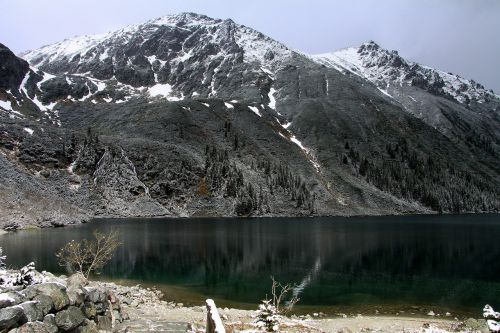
<point>89,256</point>
<point>279,293</point>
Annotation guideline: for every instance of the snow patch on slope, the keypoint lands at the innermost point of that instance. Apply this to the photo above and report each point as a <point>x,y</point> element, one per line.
<point>272,99</point>
<point>6,105</point>
<point>163,90</point>
<point>255,110</point>
<point>307,151</point>
<point>28,130</point>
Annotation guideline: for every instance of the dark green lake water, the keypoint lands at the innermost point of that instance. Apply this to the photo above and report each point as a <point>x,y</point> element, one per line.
<point>351,265</point>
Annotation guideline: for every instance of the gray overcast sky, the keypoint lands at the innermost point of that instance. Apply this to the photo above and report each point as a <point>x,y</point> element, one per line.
<point>453,35</point>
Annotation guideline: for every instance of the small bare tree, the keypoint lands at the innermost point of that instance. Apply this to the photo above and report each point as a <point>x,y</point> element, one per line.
<point>280,292</point>
<point>87,256</point>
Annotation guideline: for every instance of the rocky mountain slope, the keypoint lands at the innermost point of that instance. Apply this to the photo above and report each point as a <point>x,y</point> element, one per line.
<point>448,98</point>
<point>187,115</point>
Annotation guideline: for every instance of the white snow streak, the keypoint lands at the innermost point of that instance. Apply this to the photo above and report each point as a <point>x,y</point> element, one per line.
<point>272,99</point>
<point>28,130</point>
<point>46,77</point>
<point>255,110</point>
<point>6,105</point>
<point>306,150</point>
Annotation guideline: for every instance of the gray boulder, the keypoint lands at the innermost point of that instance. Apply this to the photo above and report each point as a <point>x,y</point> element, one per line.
<point>477,325</point>
<point>45,303</point>
<point>76,295</point>
<point>104,323</point>
<point>50,322</point>
<point>32,311</point>
<point>88,326</point>
<point>11,298</point>
<point>55,291</point>
<point>32,327</point>
<point>90,310</point>
<point>118,316</point>
<point>6,300</point>
<point>96,296</point>
<point>69,319</point>
<point>76,281</point>
<point>10,316</point>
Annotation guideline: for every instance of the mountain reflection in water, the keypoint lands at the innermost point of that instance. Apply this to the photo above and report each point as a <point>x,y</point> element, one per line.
<point>450,261</point>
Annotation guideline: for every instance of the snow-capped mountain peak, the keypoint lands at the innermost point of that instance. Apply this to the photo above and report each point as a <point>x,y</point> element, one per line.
<point>177,31</point>
<point>384,68</point>
<point>165,52</point>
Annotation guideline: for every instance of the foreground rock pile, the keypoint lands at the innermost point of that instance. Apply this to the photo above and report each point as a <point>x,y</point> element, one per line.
<point>58,305</point>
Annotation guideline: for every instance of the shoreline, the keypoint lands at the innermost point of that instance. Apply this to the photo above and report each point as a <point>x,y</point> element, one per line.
<point>97,219</point>
<point>142,309</point>
<point>409,310</point>
<point>157,311</point>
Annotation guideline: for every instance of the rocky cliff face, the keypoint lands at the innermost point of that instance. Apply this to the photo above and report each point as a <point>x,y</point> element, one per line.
<point>187,115</point>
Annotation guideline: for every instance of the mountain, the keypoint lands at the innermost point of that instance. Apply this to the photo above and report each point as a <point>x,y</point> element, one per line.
<point>445,94</point>
<point>186,115</point>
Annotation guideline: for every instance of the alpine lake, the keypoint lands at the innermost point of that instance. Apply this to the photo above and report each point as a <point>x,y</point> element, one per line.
<point>408,265</point>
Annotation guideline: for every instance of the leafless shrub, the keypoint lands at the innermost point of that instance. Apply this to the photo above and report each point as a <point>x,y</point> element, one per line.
<point>281,296</point>
<point>88,256</point>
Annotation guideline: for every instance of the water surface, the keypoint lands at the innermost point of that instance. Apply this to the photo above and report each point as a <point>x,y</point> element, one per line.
<point>360,265</point>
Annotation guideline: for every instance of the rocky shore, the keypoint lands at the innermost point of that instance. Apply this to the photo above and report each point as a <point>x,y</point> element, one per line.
<point>41,302</point>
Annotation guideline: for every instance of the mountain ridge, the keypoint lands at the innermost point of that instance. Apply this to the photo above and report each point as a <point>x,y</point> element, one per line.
<point>455,85</point>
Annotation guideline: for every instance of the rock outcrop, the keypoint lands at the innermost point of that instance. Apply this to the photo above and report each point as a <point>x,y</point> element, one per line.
<point>57,305</point>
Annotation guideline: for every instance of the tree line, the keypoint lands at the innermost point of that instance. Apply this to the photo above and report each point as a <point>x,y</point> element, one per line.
<point>433,182</point>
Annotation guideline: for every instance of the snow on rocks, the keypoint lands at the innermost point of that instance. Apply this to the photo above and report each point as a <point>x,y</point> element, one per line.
<point>162,90</point>
<point>28,130</point>
<point>6,105</point>
<point>68,48</point>
<point>255,110</point>
<point>257,47</point>
<point>46,77</point>
<point>272,99</point>
<point>58,304</point>
<point>492,318</point>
